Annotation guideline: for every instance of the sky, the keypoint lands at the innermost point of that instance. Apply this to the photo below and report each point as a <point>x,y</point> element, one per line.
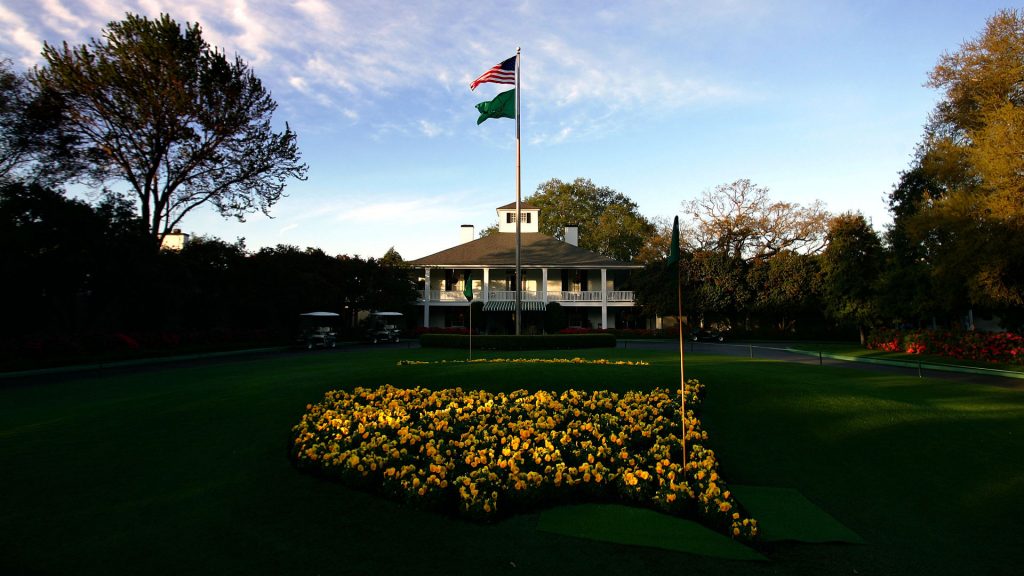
<point>659,100</point>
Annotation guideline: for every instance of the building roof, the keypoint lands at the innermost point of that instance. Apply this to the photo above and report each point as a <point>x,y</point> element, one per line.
<point>498,250</point>
<point>522,206</point>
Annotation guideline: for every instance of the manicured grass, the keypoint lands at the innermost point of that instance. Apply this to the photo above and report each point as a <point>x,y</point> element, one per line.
<point>857,351</point>
<point>185,470</point>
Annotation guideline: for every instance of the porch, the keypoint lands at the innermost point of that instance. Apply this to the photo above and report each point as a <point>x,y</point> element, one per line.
<point>565,297</point>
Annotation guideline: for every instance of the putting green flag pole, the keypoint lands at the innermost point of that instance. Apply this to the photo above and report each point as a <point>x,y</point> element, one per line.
<point>673,265</point>
<point>468,292</point>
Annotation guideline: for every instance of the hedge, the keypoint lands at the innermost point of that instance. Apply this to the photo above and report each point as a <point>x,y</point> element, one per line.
<point>547,342</point>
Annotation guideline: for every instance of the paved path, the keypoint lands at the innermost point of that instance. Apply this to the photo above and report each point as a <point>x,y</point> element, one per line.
<point>777,351</point>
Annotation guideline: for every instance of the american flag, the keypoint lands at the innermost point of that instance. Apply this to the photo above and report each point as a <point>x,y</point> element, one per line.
<point>504,73</point>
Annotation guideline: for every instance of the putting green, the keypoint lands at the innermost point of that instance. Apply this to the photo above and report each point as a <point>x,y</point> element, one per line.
<point>785,514</point>
<point>782,514</point>
<point>641,527</point>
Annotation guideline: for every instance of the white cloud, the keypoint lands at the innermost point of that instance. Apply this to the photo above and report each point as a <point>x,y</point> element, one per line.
<point>61,19</point>
<point>255,39</point>
<point>430,129</point>
<point>20,36</point>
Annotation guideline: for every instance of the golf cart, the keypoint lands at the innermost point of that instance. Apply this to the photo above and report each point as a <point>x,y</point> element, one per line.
<point>707,335</point>
<point>382,327</point>
<point>317,329</point>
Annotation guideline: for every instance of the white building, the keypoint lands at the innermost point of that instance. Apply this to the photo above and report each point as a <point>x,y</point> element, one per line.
<point>587,285</point>
<point>173,240</point>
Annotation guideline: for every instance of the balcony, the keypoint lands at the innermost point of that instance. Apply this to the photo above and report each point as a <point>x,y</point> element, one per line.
<point>562,297</point>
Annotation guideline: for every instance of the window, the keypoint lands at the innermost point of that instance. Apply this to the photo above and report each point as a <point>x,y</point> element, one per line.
<point>510,217</point>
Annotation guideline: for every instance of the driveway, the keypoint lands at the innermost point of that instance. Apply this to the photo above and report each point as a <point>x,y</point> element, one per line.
<point>777,351</point>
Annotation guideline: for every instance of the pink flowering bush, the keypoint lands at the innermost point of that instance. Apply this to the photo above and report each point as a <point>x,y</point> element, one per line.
<point>999,347</point>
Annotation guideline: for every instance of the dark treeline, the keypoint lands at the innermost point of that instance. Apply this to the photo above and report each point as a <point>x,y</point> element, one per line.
<point>82,280</point>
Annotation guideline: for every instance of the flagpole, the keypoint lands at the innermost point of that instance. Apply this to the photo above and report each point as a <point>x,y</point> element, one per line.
<point>682,376</point>
<point>519,241</point>
<point>673,262</point>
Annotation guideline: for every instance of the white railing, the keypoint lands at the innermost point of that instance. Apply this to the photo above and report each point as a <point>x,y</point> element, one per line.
<point>570,296</point>
<point>620,295</point>
<point>529,296</point>
<point>451,295</point>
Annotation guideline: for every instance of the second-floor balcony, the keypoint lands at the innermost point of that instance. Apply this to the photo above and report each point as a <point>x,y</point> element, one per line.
<point>563,296</point>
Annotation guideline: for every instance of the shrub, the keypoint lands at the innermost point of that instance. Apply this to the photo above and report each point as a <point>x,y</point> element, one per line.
<point>554,318</point>
<point>1001,347</point>
<point>548,342</point>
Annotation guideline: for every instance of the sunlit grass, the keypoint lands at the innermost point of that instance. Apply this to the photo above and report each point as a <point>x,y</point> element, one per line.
<point>857,351</point>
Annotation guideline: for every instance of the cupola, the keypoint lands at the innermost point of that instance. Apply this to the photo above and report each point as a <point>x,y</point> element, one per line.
<point>530,218</point>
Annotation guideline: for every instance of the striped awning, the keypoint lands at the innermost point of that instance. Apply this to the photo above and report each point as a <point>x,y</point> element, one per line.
<point>510,306</point>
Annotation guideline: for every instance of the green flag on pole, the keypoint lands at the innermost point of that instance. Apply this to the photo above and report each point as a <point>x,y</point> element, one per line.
<point>469,286</point>
<point>673,251</point>
<point>503,106</point>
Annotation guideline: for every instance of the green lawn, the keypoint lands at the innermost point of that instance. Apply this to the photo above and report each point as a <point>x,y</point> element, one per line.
<point>185,470</point>
<point>857,351</point>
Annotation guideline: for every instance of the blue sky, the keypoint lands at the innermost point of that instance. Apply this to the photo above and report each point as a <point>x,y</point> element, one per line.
<point>813,99</point>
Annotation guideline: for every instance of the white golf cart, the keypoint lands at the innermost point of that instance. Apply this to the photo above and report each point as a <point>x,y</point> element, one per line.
<point>317,330</point>
<point>383,327</point>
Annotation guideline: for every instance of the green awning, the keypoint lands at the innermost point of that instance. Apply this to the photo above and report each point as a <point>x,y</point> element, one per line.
<point>510,306</point>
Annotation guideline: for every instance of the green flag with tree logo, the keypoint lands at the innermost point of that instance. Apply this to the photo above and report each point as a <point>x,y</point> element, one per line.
<point>503,106</point>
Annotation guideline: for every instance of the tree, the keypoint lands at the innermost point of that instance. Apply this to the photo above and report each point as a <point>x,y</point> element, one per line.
<point>787,288</point>
<point>30,135</point>
<point>610,223</point>
<point>13,98</point>
<point>850,266</point>
<point>719,286</point>
<point>156,107</point>
<point>67,261</point>
<point>964,207</point>
<point>739,219</point>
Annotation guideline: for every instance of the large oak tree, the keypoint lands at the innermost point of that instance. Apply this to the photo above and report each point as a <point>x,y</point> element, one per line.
<point>609,222</point>
<point>960,207</point>
<point>154,105</point>
<point>741,220</point>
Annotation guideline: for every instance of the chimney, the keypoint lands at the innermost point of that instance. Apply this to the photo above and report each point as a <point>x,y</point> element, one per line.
<point>572,235</point>
<point>467,233</point>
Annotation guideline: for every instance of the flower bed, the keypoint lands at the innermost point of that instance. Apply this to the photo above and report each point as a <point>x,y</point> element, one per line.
<point>482,455</point>
<point>999,347</point>
<point>599,361</point>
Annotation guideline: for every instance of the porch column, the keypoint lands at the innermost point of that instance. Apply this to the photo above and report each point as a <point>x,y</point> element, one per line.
<point>426,299</point>
<point>604,298</point>
<point>544,285</point>
<point>487,284</point>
